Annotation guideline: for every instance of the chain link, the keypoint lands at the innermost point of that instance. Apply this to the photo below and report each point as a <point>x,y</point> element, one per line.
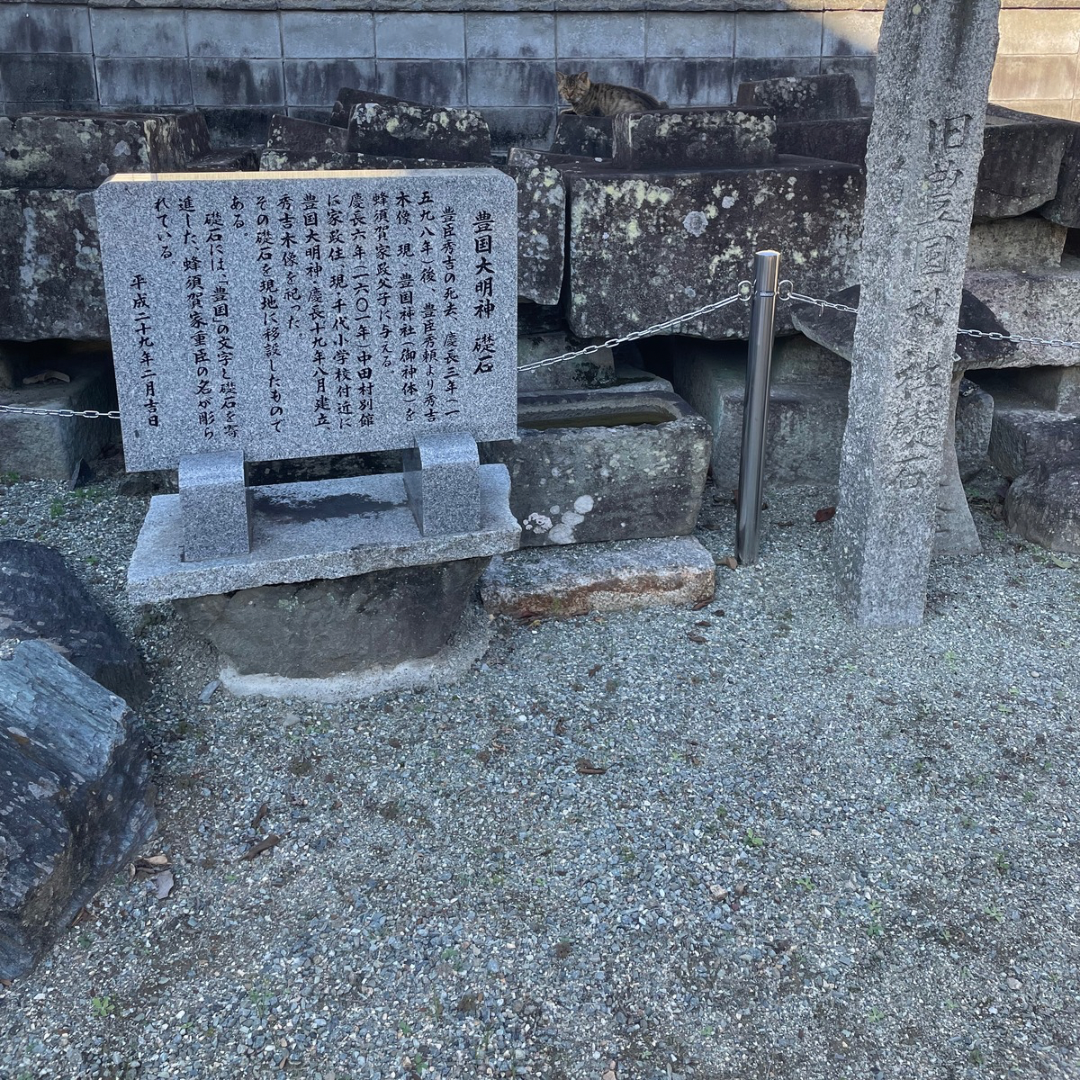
<point>746,291</point>
<point>89,414</point>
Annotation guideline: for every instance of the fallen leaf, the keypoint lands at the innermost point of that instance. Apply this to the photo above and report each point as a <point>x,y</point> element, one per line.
<point>594,669</point>
<point>701,604</point>
<point>704,622</point>
<point>719,611</point>
<point>263,845</point>
<point>730,562</point>
<point>742,889</point>
<point>587,768</point>
<point>164,882</point>
<point>46,376</point>
<point>784,524</point>
<point>698,639</point>
<point>826,513</point>
<point>1061,564</point>
<point>395,743</point>
<point>259,815</point>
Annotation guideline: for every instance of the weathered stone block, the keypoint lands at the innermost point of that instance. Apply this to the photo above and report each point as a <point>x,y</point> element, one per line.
<point>582,373</point>
<point>645,247</point>
<point>1020,243</point>
<point>720,138</point>
<point>604,465</point>
<point>71,151</point>
<point>305,136</point>
<point>50,266</point>
<point>296,161</point>
<point>1022,437</point>
<point>75,788</point>
<point>627,575</point>
<point>817,97</point>
<point>215,506</point>
<point>419,131</point>
<point>442,481</point>
<point>837,139</point>
<point>541,232</point>
<point>582,136</point>
<point>1064,207</point>
<point>1043,505</point>
<point>349,97</point>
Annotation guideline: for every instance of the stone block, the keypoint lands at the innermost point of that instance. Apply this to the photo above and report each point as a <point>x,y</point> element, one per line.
<point>314,82</point>
<point>974,423</point>
<point>1043,505</point>
<point>234,127</point>
<point>1056,388</point>
<point>626,575</point>
<point>48,78</point>
<point>50,266</point>
<point>511,82</point>
<point>1019,244</point>
<point>838,139</point>
<point>49,447</point>
<point>348,97</point>
<point>420,35</point>
<point>78,803</point>
<point>517,35</point>
<point>304,136</point>
<point>646,247</point>
<point>685,34</point>
<point>236,159</point>
<point>230,81</point>
<point>585,35</point>
<point>138,32</point>
<point>316,529</point>
<point>291,161</point>
<point>420,131</point>
<point>215,506</point>
<point>1037,32</point>
<point>863,69</point>
<point>1064,207</point>
<point>1025,436</point>
<point>1021,162</point>
<point>327,35</point>
<point>322,629</point>
<point>582,373</point>
<point>720,138</point>
<point>541,205</point>
<point>519,125</point>
<point>819,97</point>
<point>442,481</point>
<point>1045,77</point>
<point>595,465</point>
<point>763,70</point>
<point>582,136</point>
<point>777,35</point>
<point>135,82</point>
<point>234,34</point>
<point>79,152</point>
<point>689,83</point>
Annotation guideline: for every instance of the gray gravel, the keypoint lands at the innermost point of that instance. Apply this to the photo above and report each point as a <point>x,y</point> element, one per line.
<point>815,851</point>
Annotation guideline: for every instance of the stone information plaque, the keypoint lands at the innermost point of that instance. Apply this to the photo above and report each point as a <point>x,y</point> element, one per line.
<point>289,315</point>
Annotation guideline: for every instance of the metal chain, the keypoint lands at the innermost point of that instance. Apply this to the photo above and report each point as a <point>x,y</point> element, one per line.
<point>746,291</point>
<point>89,414</point>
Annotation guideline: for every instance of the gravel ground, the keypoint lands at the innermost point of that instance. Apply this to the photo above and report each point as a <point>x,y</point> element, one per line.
<point>745,842</point>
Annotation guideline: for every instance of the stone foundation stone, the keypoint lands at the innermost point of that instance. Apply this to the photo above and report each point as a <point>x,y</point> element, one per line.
<point>816,97</point>
<point>1043,505</point>
<point>419,131</point>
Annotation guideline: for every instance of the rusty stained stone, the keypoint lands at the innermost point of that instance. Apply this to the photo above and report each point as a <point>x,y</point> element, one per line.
<point>645,247</point>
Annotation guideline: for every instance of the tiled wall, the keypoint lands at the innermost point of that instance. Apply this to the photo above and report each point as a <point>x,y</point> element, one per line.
<point>243,65</point>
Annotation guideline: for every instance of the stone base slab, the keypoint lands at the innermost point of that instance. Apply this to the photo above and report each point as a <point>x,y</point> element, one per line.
<point>627,575</point>
<point>315,529</point>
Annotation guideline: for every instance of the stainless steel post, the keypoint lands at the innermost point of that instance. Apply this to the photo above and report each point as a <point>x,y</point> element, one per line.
<point>756,405</point>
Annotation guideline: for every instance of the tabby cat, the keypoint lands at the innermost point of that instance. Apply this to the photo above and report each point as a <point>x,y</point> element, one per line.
<point>602,99</point>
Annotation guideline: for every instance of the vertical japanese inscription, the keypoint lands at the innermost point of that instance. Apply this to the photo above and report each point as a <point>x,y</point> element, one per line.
<point>483,248</point>
<point>144,345</point>
<point>269,313</point>
<point>363,388</point>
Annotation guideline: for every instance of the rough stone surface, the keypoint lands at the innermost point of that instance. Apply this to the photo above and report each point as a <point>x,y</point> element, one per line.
<point>1064,207</point>
<point>349,97</point>
<point>1043,505</point>
<point>541,232</point>
<point>442,481</point>
<point>319,629</point>
<point>1021,244</point>
<point>76,798</point>
<point>582,373</point>
<point>627,575</point>
<point>79,151</point>
<point>294,161</point>
<point>714,138</point>
<point>316,529</point>
<point>1053,387</point>
<point>50,266</point>
<point>597,465</point>
<point>49,447</point>
<point>215,505</point>
<point>1021,162</point>
<point>226,159</point>
<point>41,598</point>
<point>645,247</point>
<point>897,458</point>
<point>304,377</point>
<point>815,97</point>
<point>1022,438</point>
<point>419,131</point>
<point>304,136</point>
<point>974,423</point>
<point>837,139</point>
<point>582,136</point>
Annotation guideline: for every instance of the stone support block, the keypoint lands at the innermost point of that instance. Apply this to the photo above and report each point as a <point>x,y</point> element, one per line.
<point>442,480</point>
<point>1043,505</point>
<point>818,97</point>
<point>215,505</point>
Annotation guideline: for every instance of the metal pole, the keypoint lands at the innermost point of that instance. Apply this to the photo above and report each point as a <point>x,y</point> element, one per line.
<point>756,405</point>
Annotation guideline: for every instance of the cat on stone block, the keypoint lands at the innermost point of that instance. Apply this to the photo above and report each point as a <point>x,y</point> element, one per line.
<point>588,98</point>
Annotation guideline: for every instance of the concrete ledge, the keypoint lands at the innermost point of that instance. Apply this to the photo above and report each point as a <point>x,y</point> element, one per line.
<point>316,529</point>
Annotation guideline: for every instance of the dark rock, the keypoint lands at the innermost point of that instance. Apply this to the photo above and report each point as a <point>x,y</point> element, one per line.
<point>838,139</point>
<point>76,798</point>
<point>1019,244</point>
<point>541,206</point>
<point>305,136</point>
<point>1022,438</point>
<point>836,329</point>
<point>1064,207</point>
<point>593,465</point>
<point>814,97</point>
<point>1043,505</point>
<point>645,247</point>
<point>412,131</point>
<point>1021,162</point>
<point>348,98</point>
<point>318,629</point>
<point>294,161</point>
<point>227,159</point>
<point>582,136</point>
<point>78,151</point>
<point>711,138</point>
<point>50,266</point>
<point>41,598</point>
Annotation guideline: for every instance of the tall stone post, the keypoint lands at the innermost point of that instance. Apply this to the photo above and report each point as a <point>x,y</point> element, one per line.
<point>934,63</point>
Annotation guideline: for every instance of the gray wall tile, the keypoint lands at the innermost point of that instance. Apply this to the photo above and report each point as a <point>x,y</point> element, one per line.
<point>863,68</point>
<point>331,35</point>
<point>511,82</point>
<point>232,82</point>
<point>14,28</point>
<point>762,35</point>
<point>755,70</point>
<point>237,127</point>
<point>512,126</point>
<point>690,82</point>
<point>530,36</point>
<point>851,33</point>
<point>431,82</point>
<point>53,28</point>
<point>250,34</point>
<point>614,34</point>
<point>144,81</point>
<point>706,34</point>
<point>415,36</point>
<point>47,77</point>
<point>317,82</point>
<point>138,32</point>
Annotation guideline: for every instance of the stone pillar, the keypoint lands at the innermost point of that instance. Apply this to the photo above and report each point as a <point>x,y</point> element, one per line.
<point>934,65</point>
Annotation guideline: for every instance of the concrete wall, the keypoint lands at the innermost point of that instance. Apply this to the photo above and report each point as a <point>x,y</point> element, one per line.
<point>242,60</point>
